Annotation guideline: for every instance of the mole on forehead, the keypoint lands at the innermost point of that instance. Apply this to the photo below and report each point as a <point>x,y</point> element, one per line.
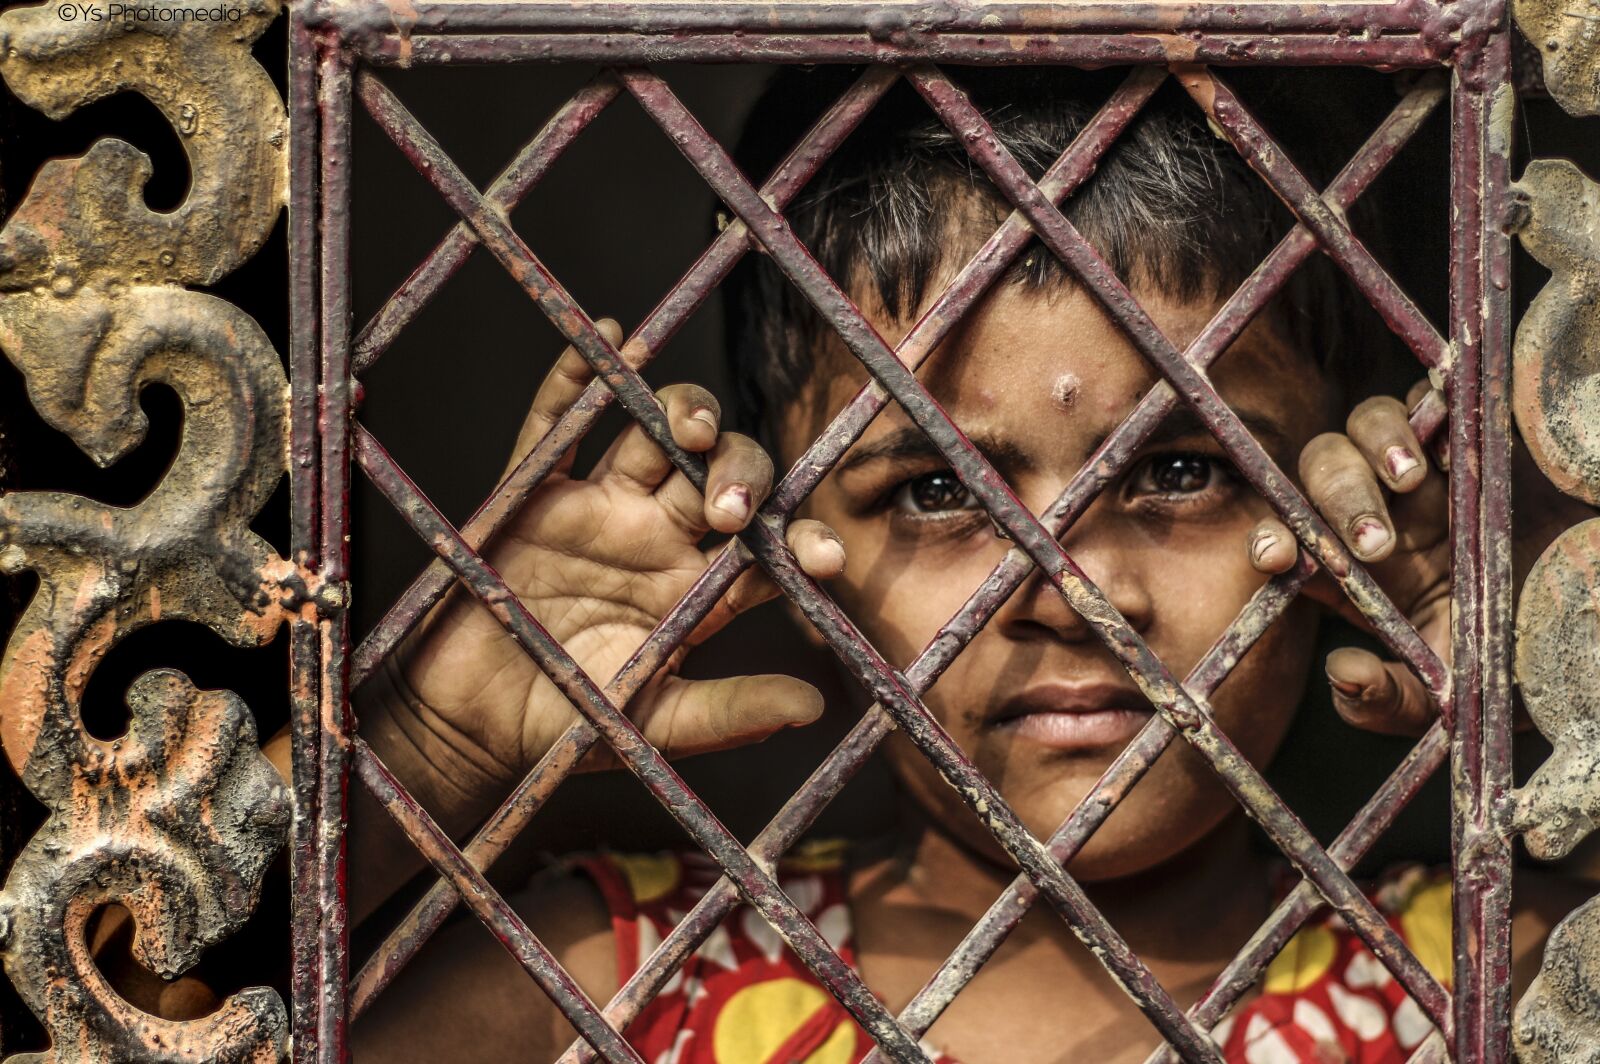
<point>1065,390</point>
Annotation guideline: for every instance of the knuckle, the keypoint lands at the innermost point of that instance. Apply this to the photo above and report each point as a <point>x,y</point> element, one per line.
<point>1380,416</point>
<point>1348,493</point>
<point>748,455</point>
<point>1324,457</point>
<point>694,395</point>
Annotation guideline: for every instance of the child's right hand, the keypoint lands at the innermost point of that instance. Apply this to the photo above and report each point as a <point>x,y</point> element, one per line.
<point>598,561</point>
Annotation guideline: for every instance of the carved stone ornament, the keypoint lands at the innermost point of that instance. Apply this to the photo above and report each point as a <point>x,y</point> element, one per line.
<point>1556,398</point>
<point>178,819</point>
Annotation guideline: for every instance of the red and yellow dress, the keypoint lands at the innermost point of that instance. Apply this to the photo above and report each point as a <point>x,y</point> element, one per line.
<point>744,998</point>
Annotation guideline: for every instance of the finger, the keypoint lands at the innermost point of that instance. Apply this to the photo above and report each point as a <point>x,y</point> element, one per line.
<point>815,546</point>
<point>1272,546</point>
<point>1377,695</point>
<point>1421,391</point>
<point>751,589</point>
<point>1341,484</point>
<point>634,459</point>
<point>1381,432</point>
<point>560,388</point>
<point>694,415</point>
<point>698,716</point>
<point>739,477</point>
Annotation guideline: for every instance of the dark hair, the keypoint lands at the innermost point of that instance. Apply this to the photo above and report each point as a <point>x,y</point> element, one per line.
<point>1172,206</point>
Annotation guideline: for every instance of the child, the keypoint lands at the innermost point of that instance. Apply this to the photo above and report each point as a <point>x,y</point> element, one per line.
<point>1036,376</point>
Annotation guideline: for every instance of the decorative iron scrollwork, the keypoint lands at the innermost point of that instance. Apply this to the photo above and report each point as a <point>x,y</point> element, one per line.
<point>1556,399</point>
<point>1556,365</point>
<point>177,819</point>
<point>1568,38</point>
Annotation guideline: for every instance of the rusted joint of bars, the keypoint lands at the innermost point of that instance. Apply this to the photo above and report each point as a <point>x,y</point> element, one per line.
<point>298,588</point>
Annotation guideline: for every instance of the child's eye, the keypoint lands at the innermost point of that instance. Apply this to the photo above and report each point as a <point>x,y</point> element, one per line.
<point>1178,474</point>
<point>932,493</point>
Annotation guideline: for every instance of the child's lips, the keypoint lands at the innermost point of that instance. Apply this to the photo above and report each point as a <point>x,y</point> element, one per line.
<point>1078,731</point>
<point>1074,717</point>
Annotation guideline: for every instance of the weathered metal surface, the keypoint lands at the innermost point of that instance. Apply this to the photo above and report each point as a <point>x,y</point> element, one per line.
<point>1558,658</point>
<point>1556,382</point>
<point>178,818</point>
<point>1567,37</point>
<point>1556,396</point>
<point>1478,380</point>
<point>1555,1020</point>
<point>1468,34</point>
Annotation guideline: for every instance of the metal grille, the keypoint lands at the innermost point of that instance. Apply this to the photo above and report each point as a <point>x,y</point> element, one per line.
<point>335,69</point>
<point>338,52</point>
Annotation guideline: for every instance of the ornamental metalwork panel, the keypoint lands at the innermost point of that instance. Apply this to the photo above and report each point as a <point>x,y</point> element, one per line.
<point>179,820</point>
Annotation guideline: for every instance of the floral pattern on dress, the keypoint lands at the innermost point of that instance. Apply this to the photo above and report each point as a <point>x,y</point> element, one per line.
<point>744,997</point>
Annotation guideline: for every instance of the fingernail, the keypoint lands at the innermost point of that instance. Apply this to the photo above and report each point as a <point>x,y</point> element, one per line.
<point>1263,543</point>
<point>703,415</point>
<point>1344,687</point>
<point>831,554</point>
<point>1400,461</point>
<point>1370,535</point>
<point>734,500</point>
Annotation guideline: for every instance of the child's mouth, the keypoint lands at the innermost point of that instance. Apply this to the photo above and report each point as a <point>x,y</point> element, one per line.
<point>1074,716</point>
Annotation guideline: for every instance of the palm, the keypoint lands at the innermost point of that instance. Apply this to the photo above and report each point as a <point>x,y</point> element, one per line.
<point>598,562</point>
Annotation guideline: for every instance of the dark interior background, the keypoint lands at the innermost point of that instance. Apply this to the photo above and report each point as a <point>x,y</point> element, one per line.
<point>618,219</point>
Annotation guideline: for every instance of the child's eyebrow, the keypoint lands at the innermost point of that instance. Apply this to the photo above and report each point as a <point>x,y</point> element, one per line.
<point>1182,424</point>
<point>910,444</point>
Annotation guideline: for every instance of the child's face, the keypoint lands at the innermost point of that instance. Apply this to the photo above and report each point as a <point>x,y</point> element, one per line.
<point>1037,381</point>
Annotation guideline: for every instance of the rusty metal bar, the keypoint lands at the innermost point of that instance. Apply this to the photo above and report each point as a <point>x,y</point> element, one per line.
<point>1480,520</point>
<point>1008,910</point>
<point>1247,455</point>
<point>829,778</point>
<point>644,760</point>
<point>1075,164</point>
<point>509,929</point>
<point>1158,734</point>
<point>1268,160</point>
<point>658,327</point>
<point>870,669</point>
<point>304,659</point>
<point>519,808</point>
<point>507,190</point>
<point>1155,681</point>
<point>1039,49</point>
<point>1242,973</point>
<point>887,19</point>
<point>1131,765</point>
<point>333,428</point>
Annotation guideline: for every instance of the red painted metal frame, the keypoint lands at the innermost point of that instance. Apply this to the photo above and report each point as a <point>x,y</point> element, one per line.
<point>334,48</point>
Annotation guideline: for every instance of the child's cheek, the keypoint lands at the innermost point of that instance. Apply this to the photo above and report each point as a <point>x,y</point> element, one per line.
<point>902,595</point>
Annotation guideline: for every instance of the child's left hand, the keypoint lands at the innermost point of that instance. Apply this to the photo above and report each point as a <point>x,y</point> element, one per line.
<point>1375,485</point>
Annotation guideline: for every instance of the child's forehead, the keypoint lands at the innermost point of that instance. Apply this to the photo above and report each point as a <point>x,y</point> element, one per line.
<point>1059,343</point>
<point>1031,357</point>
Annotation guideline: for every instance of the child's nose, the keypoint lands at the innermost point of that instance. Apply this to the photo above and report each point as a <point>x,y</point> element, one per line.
<point>1108,572</point>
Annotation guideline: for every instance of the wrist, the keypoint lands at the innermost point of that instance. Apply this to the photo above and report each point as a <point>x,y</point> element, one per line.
<point>451,776</point>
